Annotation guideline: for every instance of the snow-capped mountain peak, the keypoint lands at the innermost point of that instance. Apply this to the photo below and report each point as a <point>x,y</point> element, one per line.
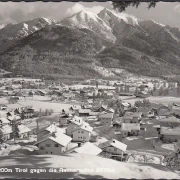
<point>91,21</point>
<point>108,15</point>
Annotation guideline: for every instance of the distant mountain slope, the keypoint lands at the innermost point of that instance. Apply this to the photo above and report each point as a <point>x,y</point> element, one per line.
<point>11,33</point>
<point>93,42</point>
<point>54,50</point>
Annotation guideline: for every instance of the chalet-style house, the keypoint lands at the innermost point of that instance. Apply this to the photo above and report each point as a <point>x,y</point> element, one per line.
<point>82,133</point>
<point>106,119</point>
<point>169,135</point>
<point>49,129</point>
<point>27,113</point>
<point>23,131</point>
<point>130,129</point>
<point>117,123</point>
<point>6,132</point>
<point>75,123</point>
<point>64,120</point>
<point>113,146</point>
<point>53,143</point>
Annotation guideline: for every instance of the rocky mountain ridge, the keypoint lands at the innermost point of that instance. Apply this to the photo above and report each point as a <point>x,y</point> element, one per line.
<point>84,43</point>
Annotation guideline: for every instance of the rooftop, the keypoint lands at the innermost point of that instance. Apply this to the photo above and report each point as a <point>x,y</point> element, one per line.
<point>88,148</point>
<point>130,126</point>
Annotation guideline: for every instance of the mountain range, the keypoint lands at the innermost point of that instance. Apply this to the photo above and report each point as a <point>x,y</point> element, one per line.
<point>90,45</point>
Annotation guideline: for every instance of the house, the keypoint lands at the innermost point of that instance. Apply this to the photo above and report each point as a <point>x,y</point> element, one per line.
<point>27,113</point>
<point>113,146</point>
<point>23,131</point>
<point>94,136</point>
<point>74,124</point>
<point>82,133</point>
<point>132,117</point>
<point>117,123</point>
<point>49,129</point>
<point>3,113</point>
<point>64,120</point>
<point>53,143</point>
<point>88,148</point>
<point>84,112</point>
<point>169,134</point>
<point>169,121</point>
<point>146,111</point>
<point>130,129</point>
<point>100,109</point>
<point>4,121</point>
<point>3,107</point>
<point>106,119</point>
<point>160,109</point>
<point>6,131</point>
<point>125,105</point>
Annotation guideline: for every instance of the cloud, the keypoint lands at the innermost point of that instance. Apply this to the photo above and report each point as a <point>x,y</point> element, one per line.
<point>177,9</point>
<point>79,7</point>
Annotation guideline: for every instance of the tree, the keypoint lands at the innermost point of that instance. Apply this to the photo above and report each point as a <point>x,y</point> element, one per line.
<point>13,100</point>
<point>122,5</point>
<point>144,103</point>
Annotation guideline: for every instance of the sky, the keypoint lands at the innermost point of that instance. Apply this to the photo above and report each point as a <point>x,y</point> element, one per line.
<point>167,13</point>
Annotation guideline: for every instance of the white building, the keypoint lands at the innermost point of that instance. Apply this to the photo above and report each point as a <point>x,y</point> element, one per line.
<point>88,148</point>
<point>82,133</point>
<point>113,146</point>
<point>74,124</point>
<point>54,143</point>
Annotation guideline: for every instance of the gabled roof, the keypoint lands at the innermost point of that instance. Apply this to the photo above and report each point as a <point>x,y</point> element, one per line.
<point>88,148</point>
<point>170,131</point>
<point>84,111</point>
<point>157,106</point>
<point>23,129</point>
<point>59,138</point>
<point>170,119</point>
<point>77,121</point>
<point>114,143</point>
<point>4,120</point>
<point>52,128</point>
<point>130,126</point>
<point>107,115</point>
<point>7,129</point>
<point>85,126</point>
<point>144,109</point>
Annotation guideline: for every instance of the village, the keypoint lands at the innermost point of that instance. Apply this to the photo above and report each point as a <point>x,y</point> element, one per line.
<point>128,120</point>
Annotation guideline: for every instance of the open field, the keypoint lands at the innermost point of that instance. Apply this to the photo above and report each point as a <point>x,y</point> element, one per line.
<point>157,99</point>
<point>39,102</point>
